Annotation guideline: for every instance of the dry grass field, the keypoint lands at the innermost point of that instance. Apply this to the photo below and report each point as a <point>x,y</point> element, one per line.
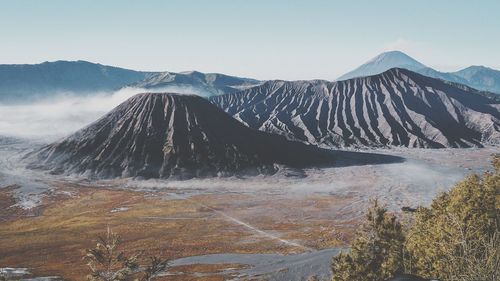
<point>274,215</point>
<point>53,241</point>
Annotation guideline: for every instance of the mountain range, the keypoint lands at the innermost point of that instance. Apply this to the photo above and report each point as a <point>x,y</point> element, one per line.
<point>21,83</point>
<point>479,77</point>
<point>29,82</point>
<point>396,108</point>
<point>203,84</point>
<point>165,135</point>
<point>161,135</point>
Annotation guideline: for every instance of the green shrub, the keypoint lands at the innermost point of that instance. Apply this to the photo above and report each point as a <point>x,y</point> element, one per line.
<point>376,253</point>
<point>457,238</point>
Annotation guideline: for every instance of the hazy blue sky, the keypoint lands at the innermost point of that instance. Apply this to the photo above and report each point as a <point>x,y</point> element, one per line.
<point>261,39</point>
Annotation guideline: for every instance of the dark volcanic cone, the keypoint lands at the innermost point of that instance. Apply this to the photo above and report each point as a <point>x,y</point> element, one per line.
<point>162,135</point>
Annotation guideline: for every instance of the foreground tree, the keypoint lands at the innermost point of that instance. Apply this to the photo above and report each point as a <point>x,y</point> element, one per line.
<point>108,263</point>
<point>376,253</point>
<point>458,236</point>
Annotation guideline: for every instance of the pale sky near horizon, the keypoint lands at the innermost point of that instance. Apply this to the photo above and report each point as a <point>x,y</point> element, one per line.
<point>260,39</point>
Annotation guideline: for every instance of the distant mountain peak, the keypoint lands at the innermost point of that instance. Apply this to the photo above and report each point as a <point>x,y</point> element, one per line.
<point>384,62</point>
<point>192,72</point>
<point>203,84</point>
<point>478,77</point>
<point>477,68</point>
<point>392,55</point>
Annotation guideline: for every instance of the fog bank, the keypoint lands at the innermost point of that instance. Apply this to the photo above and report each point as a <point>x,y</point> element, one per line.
<point>59,116</point>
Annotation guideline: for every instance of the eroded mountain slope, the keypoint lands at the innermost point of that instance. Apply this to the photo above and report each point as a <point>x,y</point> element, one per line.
<point>397,107</point>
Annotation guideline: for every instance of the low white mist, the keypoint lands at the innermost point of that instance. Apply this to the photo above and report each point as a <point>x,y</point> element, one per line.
<point>63,114</point>
<point>410,183</point>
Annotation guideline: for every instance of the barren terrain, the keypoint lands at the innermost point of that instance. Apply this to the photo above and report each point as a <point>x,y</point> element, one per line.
<point>281,227</point>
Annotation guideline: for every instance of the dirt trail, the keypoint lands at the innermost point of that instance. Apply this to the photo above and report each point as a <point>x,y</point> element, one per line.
<point>244,224</point>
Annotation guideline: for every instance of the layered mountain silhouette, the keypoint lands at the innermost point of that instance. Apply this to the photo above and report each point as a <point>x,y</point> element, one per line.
<point>481,77</point>
<point>478,77</point>
<point>29,82</point>
<point>169,135</point>
<point>21,83</point>
<point>395,108</point>
<point>203,84</point>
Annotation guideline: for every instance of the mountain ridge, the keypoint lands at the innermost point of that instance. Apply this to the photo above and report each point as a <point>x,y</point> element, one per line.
<point>33,82</point>
<point>479,77</point>
<point>205,84</point>
<point>36,81</point>
<point>395,108</point>
<point>164,135</point>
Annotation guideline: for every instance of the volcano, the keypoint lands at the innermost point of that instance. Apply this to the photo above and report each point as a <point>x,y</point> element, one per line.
<point>163,135</point>
<point>396,108</point>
